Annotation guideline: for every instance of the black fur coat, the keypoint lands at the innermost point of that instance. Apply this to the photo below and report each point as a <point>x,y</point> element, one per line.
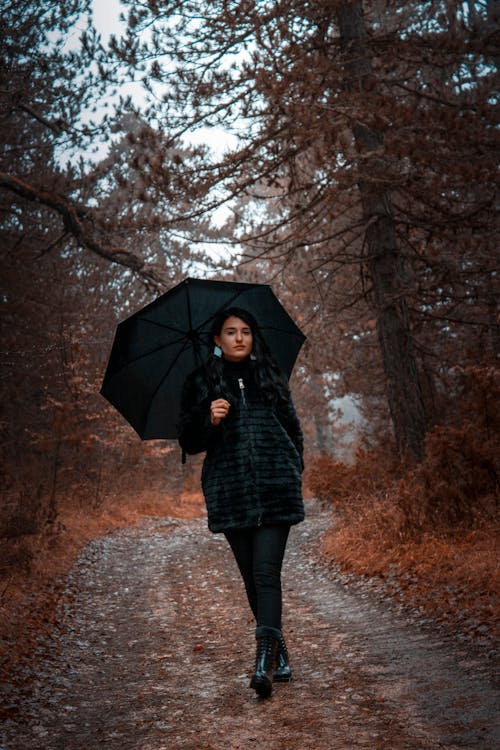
<point>252,469</point>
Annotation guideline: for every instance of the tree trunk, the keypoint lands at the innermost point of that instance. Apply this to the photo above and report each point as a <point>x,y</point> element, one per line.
<point>52,509</point>
<point>384,257</point>
<point>493,315</point>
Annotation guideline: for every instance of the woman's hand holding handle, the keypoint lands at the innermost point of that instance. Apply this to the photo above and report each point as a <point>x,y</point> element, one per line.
<point>219,410</point>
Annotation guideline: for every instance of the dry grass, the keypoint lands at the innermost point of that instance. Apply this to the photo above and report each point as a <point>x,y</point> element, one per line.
<point>428,534</point>
<point>453,579</point>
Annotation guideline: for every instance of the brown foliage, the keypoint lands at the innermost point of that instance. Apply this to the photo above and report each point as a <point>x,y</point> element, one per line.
<point>455,486</point>
<point>429,531</point>
<point>370,154</point>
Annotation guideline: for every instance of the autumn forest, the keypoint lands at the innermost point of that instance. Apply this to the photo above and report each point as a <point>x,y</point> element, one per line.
<point>345,153</point>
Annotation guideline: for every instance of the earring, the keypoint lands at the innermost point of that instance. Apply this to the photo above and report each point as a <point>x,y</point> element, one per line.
<point>217,351</point>
<point>253,357</point>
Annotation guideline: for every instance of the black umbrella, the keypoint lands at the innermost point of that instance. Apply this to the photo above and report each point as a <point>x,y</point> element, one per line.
<point>156,348</point>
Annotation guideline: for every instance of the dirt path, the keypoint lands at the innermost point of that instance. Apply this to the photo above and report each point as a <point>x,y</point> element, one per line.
<point>155,645</point>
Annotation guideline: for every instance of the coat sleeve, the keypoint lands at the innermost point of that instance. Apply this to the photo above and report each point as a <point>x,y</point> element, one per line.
<point>288,418</point>
<point>195,431</point>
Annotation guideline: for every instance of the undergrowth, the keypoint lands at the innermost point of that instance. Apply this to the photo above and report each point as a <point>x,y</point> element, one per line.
<point>427,532</point>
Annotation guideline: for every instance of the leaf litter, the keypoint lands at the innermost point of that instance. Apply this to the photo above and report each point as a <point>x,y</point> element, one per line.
<point>153,646</point>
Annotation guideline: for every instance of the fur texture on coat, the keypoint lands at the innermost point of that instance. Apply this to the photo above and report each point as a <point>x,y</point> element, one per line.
<point>252,469</point>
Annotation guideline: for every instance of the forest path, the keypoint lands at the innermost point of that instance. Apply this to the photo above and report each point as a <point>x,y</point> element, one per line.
<point>155,645</point>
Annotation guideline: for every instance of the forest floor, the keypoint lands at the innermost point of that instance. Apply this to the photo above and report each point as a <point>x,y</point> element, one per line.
<point>152,646</point>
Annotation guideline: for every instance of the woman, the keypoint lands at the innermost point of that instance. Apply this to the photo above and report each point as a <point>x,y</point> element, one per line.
<point>238,409</point>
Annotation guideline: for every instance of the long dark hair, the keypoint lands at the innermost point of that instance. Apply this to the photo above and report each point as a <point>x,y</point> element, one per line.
<point>268,377</point>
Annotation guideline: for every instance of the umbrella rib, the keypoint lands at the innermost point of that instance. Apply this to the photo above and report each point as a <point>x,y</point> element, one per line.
<point>150,352</point>
<point>227,303</point>
<point>161,325</point>
<point>168,371</point>
<point>190,317</point>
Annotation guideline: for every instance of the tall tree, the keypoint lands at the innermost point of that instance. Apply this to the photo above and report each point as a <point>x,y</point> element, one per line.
<point>370,129</point>
<point>56,117</point>
<point>384,257</point>
<point>59,304</point>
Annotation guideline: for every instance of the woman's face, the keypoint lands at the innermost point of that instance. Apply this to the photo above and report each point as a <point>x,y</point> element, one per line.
<point>235,339</point>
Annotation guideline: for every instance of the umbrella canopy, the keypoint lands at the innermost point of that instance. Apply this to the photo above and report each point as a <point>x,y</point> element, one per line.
<point>156,348</point>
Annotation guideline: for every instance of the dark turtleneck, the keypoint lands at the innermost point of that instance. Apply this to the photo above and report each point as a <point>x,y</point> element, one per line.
<point>237,369</point>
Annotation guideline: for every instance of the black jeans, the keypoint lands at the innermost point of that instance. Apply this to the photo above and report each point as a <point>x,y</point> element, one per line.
<point>259,553</point>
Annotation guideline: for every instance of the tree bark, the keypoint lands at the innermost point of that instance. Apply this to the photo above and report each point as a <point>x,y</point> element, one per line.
<point>384,256</point>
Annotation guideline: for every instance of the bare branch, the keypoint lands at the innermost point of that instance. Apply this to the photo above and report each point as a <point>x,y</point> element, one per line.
<point>56,127</point>
<point>72,217</point>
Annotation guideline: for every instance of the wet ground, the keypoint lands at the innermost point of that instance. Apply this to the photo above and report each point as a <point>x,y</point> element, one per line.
<point>155,646</point>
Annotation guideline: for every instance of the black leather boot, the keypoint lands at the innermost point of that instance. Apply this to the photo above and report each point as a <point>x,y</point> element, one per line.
<point>267,644</point>
<point>282,673</point>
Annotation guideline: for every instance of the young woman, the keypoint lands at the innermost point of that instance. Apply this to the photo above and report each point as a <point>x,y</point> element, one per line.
<point>238,409</point>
